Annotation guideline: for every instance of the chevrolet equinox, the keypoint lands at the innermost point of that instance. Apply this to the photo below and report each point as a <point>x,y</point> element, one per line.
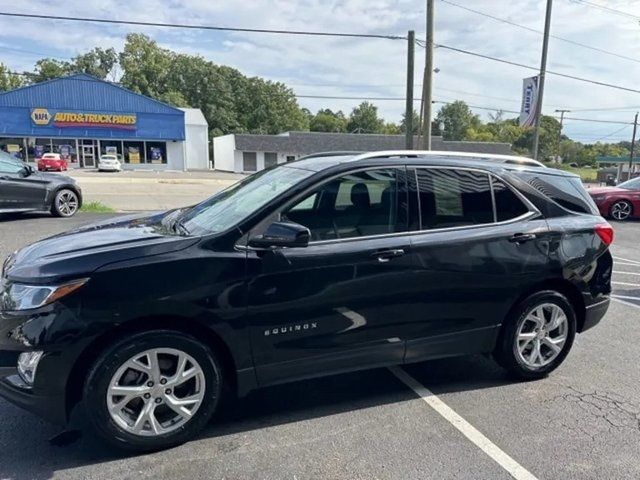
<point>329,264</point>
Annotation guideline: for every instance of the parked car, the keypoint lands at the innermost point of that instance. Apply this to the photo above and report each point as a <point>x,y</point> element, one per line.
<point>52,161</point>
<point>621,202</point>
<point>22,189</point>
<point>109,163</point>
<point>314,267</point>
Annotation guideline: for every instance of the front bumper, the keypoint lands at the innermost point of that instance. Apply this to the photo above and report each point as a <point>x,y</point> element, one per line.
<point>51,407</point>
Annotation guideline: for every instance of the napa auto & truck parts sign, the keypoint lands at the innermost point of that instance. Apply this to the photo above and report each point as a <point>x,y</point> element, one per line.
<point>69,119</point>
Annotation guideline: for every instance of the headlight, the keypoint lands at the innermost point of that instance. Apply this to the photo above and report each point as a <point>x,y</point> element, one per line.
<point>17,296</point>
<point>598,197</point>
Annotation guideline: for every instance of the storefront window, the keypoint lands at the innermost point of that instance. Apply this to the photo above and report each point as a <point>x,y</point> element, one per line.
<point>112,147</point>
<point>156,152</point>
<point>134,152</point>
<point>66,147</point>
<point>13,146</point>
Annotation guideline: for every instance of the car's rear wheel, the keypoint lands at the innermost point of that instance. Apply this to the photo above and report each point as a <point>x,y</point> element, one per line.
<point>621,210</point>
<point>153,390</point>
<point>537,336</point>
<point>65,203</point>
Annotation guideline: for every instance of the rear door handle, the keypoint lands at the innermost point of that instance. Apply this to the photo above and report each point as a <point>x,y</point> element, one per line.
<point>522,237</point>
<point>385,255</point>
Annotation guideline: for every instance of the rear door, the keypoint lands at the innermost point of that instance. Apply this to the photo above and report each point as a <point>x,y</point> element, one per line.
<point>338,304</point>
<point>480,244</point>
<point>18,189</point>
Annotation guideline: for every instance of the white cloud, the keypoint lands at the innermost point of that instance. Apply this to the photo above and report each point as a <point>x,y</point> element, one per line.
<point>368,67</point>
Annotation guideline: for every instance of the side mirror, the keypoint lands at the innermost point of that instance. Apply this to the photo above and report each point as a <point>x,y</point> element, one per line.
<point>282,234</point>
<point>27,170</point>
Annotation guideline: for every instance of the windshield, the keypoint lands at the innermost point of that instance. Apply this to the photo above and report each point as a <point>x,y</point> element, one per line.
<point>231,206</point>
<point>633,184</point>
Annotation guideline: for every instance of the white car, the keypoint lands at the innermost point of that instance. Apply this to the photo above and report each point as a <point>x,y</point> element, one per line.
<point>109,163</point>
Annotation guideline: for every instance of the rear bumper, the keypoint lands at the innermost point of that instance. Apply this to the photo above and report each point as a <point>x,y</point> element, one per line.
<point>594,313</point>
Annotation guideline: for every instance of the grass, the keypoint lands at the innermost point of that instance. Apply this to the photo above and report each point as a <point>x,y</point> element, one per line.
<point>586,174</point>
<point>96,207</point>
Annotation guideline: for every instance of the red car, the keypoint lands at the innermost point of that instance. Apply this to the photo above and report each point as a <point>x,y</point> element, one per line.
<point>52,161</point>
<point>621,202</point>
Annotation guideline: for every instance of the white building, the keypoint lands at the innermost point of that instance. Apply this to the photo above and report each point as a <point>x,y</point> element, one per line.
<point>252,152</point>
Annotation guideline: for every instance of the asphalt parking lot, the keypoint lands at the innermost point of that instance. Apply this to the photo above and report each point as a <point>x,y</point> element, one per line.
<point>583,422</point>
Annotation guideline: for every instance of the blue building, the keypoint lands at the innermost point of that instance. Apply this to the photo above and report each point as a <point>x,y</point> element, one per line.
<point>82,117</point>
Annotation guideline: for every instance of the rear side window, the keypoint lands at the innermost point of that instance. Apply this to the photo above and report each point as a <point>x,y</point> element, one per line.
<point>453,198</point>
<point>508,205</point>
<point>567,192</point>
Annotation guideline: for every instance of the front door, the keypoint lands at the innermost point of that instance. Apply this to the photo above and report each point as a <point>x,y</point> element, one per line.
<point>338,304</point>
<point>88,155</point>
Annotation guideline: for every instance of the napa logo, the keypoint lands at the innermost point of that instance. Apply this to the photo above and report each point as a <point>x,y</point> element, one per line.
<point>41,116</point>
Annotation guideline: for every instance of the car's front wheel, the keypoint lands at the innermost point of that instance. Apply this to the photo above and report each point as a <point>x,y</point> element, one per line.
<point>621,210</point>
<point>537,336</point>
<point>65,203</point>
<point>153,390</point>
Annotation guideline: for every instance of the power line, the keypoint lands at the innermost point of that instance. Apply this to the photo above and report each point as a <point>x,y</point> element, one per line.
<point>524,27</point>
<point>203,27</point>
<point>530,67</point>
<point>607,9</point>
<point>613,133</point>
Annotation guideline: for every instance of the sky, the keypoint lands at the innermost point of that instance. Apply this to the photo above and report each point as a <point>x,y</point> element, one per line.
<point>328,66</point>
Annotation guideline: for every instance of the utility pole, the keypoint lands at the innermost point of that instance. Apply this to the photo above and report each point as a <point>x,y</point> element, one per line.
<point>562,112</point>
<point>543,69</point>
<point>408,115</point>
<point>428,81</point>
<point>633,141</point>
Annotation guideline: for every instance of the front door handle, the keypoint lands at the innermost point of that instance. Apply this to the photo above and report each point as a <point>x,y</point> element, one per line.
<point>384,256</point>
<point>522,237</point>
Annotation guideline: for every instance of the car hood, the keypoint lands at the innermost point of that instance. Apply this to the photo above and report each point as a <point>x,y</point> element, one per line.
<point>601,190</point>
<point>54,177</point>
<point>83,250</point>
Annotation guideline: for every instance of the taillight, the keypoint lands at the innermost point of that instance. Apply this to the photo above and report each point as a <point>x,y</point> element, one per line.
<point>605,232</point>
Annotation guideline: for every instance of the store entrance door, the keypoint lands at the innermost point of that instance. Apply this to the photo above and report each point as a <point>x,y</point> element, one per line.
<point>88,154</point>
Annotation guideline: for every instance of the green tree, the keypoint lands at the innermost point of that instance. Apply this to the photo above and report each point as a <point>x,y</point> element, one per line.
<point>364,119</point>
<point>415,124</point>
<point>48,69</point>
<point>328,121</point>
<point>9,80</point>
<point>98,62</point>
<point>456,118</point>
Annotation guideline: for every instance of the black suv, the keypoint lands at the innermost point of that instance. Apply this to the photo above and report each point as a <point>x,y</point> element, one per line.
<point>324,265</point>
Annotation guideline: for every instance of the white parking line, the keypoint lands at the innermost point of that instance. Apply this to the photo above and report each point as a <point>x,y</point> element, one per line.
<point>625,297</point>
<point>628,264</point>
<point>626,273</point>
<point>514,469</point>
<point>628,304</point>
<point>626,260</point>
<point>627,283</point>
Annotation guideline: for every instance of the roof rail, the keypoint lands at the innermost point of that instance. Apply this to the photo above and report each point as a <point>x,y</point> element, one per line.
<point>510,159</point>
<point>336,153</point>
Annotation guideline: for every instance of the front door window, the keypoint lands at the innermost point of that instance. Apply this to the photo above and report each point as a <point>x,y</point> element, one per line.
<point>366,203</point>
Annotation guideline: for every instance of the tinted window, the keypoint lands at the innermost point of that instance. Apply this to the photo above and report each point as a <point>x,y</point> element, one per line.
<point>367,203</point>
<point>508,205</point>
<point>633,184</point>
<point>567,192</point>
<point>453,198</point>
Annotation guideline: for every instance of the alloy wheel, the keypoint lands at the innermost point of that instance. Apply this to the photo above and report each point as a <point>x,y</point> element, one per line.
<point>67,203</point>
<point>542,335</point>
<point>621,210</point>
<point>156,392</point>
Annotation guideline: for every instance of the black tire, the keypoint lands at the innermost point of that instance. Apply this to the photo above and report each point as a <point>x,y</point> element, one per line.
<point>506,352</point>
<point>100,375</point>
<point>58,208</point>
<point>626,206</point>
